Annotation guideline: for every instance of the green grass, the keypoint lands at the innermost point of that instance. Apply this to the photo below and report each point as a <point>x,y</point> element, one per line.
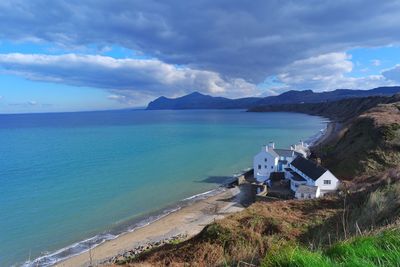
<point>381,249</point>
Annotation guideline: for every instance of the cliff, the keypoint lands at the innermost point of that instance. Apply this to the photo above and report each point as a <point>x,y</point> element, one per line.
<point>366,145</point>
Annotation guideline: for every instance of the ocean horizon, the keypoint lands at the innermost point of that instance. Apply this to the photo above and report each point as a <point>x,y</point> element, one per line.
<point>73,180</point>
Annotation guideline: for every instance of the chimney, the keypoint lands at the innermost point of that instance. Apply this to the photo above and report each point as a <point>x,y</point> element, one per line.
<point>271,145</point>
<point>264,148</point>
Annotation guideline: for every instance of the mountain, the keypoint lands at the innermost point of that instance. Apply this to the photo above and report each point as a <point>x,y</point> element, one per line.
<point>199,101</point>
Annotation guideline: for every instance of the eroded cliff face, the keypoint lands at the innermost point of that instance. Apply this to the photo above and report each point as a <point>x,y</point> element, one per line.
<point>366,145</point>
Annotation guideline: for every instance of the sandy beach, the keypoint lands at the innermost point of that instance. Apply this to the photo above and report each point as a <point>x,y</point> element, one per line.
<point>188,221</point>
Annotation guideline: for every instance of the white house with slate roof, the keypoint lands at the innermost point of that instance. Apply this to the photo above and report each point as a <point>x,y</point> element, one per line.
<point>271,159</point>
<point>310,180</point>
<point>307,178</point>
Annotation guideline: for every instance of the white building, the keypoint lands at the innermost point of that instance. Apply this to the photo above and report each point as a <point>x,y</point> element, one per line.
<point>271,159</point>
<point>307,192</point>
<point>310,180</point>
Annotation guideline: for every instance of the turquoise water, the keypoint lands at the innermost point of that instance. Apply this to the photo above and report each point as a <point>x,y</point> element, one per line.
<point>71,176</point>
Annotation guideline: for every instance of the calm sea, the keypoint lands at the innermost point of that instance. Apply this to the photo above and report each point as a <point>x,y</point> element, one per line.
<point>69,177</point>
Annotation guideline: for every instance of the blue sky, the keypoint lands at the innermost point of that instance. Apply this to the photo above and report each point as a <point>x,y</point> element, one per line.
<point>95,55</point>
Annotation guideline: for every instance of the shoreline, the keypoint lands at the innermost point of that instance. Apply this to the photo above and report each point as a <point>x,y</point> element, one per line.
<point>331,129</point>
<point>187,221</point>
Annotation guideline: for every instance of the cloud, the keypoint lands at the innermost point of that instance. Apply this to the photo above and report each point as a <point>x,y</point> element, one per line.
<point>393,74</point>
<point>376,62</point>
<point>326,72</point>
<point>124,77</point>
<point>232,38</point>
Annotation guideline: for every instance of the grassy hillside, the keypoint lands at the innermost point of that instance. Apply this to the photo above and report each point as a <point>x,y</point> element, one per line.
<point>376,249</point>
<point>282,232</point>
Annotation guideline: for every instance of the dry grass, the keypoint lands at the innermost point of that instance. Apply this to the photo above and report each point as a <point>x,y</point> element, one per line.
<point>245,237</point>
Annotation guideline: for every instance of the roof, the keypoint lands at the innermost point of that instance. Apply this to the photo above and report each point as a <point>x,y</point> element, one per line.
<point>284,152</point>
<point>307,189</point>
<point>297,177</point>
<point>272,152</point>
<point>277,176</point>
<point>308,167</point>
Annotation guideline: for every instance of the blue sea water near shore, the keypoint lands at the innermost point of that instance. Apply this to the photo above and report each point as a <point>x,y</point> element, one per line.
<point>73,180</point>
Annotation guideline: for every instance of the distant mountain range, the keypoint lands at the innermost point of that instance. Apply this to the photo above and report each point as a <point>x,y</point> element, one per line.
<point>200,101</point>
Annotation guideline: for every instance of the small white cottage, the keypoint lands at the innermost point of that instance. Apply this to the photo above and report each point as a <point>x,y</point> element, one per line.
<point>310,180</point>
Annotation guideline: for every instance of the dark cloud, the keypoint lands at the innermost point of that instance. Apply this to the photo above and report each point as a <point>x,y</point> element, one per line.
<point>245,39</point>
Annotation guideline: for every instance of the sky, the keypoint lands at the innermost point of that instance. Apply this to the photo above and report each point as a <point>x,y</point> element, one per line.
<point>96,55</point>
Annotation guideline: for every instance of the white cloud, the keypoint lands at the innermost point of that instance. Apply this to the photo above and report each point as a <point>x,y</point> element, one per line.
<point>150,77</point>
<point>326,72</point>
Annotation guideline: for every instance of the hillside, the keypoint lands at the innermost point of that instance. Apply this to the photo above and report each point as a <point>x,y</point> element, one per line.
<point>359,227</point>
<point>341,110</point>
<point>367,145</point>
<point>199,101</point>
<point>267,233</point>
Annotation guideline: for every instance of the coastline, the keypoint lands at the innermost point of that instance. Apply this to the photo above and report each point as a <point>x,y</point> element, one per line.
<point>187,221</point>
<point>329,132</point>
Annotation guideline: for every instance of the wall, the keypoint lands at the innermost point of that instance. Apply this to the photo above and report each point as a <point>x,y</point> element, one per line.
<point>266,167</point>
<point>327,176</point>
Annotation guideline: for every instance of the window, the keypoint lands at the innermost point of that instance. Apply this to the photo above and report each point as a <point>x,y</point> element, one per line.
<point>272,167</point>
<point>265,159</point>
<point>327,181</point>
<point>302,195</point>
<point>259,167</point>
<point>265,166</point>
<point>309,195</point>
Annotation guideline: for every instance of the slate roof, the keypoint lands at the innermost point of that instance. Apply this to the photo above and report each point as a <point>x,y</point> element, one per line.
<point>284,152</point>
<point>297,177</point>
<point>307,189</point>
<point>308,167</point>
<point>272,152</point>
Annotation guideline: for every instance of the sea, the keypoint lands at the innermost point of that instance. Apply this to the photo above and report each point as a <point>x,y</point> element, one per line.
<point>70,181</point>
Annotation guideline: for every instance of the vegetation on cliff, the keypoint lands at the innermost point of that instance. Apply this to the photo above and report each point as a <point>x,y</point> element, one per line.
<point>366,145</point>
